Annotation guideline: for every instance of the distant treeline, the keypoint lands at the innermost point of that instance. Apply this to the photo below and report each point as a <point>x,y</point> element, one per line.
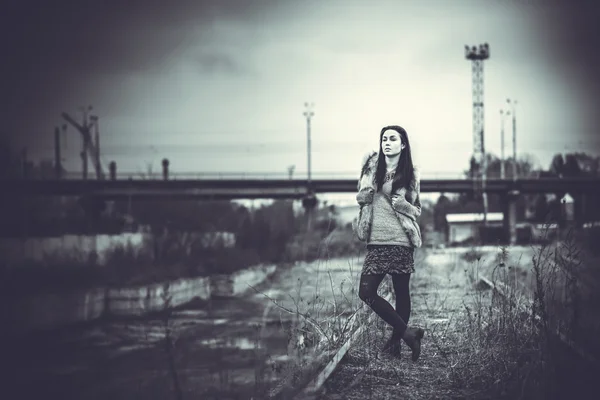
<point>536,208</point>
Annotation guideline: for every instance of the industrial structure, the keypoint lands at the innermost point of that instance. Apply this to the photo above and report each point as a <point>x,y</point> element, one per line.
<point>477,55</point>
<point>91,145</point>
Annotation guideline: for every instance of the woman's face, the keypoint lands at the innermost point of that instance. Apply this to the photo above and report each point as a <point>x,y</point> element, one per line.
<point>391,144</point>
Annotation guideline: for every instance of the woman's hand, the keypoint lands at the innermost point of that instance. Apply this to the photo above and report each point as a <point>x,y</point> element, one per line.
<point>365,196</point>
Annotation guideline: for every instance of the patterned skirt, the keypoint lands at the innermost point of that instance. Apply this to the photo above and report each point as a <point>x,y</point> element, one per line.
<point>388,259</point>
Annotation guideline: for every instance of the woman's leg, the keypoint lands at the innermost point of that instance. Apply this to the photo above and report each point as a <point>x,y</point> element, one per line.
<point>402,291</point>
<point>368,293</point>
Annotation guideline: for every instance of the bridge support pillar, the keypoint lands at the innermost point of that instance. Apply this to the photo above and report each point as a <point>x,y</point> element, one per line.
<point>309,202</point>
<point>510,216</point>
<point>112,167</point>
<point>165,167</point>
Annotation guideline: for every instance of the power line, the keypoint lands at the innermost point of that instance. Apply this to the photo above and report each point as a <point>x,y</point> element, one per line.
<point>187,147</point>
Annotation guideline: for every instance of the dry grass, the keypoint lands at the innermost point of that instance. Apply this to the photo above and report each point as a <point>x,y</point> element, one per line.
<point>321,324</point>
<point>480,344</point>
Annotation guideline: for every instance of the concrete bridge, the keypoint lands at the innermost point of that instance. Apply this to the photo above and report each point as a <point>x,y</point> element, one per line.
<point>229,189</point>
<point>273,188</point>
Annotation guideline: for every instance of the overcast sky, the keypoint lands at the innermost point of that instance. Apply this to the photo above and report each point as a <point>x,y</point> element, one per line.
<point>221,85</point>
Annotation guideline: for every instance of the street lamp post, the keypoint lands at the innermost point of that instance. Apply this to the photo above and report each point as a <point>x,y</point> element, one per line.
<point>502,115</point>
<point>308,113</point>
<point>309,201</point>
<point>513,104</point>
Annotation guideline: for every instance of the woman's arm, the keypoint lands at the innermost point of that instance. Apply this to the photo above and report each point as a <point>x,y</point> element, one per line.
<point>365,185</point>
<point>401,205</point>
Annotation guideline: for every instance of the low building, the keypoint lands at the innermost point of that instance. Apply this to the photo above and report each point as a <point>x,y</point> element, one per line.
<point>465,227</point>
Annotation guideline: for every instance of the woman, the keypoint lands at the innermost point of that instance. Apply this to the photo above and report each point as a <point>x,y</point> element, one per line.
<point>388,195</point>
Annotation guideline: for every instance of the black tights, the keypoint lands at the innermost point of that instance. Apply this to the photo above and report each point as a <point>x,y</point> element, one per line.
<point>397,318</point>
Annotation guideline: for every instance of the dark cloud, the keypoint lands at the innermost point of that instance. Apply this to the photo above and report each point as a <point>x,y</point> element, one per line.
<point>111,36</point>
<point>54,48</point>
<point>217,62</point>
<point>574,30</point>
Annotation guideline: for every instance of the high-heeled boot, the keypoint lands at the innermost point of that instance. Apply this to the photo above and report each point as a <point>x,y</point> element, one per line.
<point>412,337</point>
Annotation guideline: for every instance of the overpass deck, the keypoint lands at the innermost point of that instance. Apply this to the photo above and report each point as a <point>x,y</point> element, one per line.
<point>272,188</point>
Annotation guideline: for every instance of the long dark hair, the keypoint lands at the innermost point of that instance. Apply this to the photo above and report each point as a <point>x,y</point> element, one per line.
<point>405,171</point>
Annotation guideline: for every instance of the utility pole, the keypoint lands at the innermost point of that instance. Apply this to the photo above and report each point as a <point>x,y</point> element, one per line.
<point>513,104</point>
<point>64,132</point>
<point>90,148</point>
<point>83,155</point>
<point>309,201</point>
<point>502,115</point>
<point>477,55</point>
<point>96,159</point>
<point>86,141</point>
<point>308,113</point>
<point>57,160</point>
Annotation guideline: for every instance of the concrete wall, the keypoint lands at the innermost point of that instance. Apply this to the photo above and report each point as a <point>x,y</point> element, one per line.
<point>55,310</point>
<point>80,247</point>
<point>15,251</point>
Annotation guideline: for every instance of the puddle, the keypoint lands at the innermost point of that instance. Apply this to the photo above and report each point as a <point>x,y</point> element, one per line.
<point>190,313</point>
<point>238,343</point>
<point>221,321</point>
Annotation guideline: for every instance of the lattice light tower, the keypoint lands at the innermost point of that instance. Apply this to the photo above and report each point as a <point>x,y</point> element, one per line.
<point>477,55</point>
